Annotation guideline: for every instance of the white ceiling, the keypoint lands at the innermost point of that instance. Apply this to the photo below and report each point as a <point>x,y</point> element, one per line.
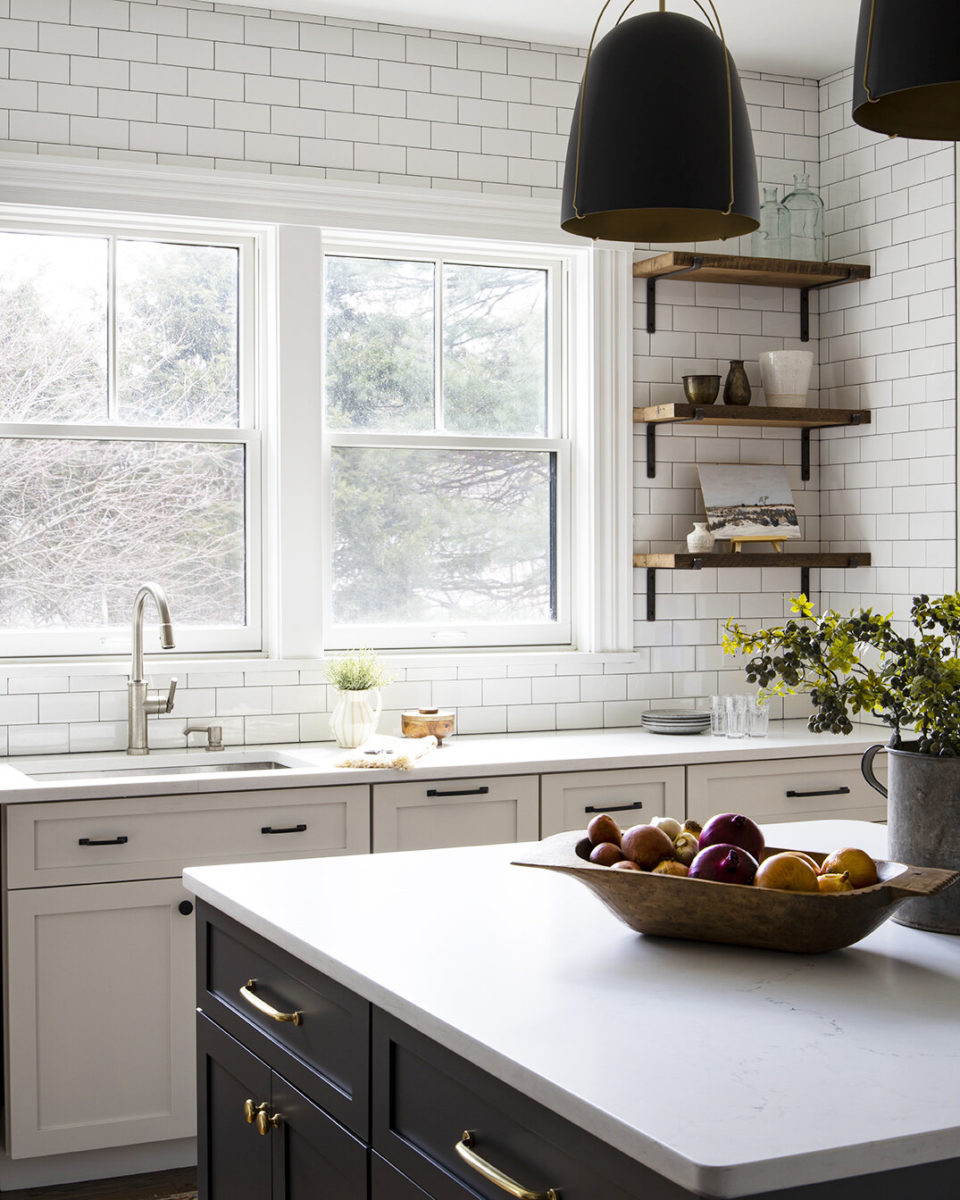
<point>810,38</point>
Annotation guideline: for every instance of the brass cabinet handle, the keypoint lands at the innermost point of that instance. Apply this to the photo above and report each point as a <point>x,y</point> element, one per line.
<point>268,1010</point>
<point>465,1149</point>
<point>264,1122</point>
<point>256,1114</point>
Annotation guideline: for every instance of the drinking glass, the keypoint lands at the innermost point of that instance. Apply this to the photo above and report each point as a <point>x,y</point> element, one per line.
<point>718,716</point>
<point>736,711</point>
<point>758,718</point>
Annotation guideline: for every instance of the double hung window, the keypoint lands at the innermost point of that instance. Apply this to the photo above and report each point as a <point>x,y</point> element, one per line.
<point>128,441</point>
<point>446,460</point>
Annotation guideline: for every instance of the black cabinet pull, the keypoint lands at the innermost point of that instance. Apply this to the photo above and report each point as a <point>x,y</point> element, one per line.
<point>614,807</point>
<point>185,908</point>
<point>840,791</point>
<point>480,791</point>
<point>290,829</point>
<point>117,841</point>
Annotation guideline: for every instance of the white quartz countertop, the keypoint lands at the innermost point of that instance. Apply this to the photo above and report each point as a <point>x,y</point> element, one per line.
<point>728,1070</point>
<point>312,764</point>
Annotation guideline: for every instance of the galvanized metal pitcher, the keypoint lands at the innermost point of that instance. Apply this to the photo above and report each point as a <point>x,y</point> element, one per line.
<point>923,814</point>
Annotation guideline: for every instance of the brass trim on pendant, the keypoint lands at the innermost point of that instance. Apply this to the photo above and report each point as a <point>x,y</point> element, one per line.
<point>726,60</point>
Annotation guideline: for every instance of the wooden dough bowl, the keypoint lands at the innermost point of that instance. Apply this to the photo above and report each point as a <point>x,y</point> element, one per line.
<point>741,915</point>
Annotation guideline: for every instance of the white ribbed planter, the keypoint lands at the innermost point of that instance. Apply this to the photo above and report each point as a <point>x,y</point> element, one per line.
<point>786,377</point>
<point>353,719</point>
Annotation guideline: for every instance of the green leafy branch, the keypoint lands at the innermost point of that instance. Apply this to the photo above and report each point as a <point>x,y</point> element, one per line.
<point>861,664</point>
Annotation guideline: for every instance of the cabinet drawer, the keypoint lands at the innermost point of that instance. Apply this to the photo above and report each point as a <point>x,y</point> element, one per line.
<point>571,799</point>
<point>96,841</point>
<point>795,789</point>
<point>435,814</point>
<point>325,1053</point>
<point>425,1098</point>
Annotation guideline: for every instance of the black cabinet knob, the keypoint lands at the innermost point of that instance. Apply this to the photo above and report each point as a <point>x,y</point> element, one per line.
<point>185,907</point>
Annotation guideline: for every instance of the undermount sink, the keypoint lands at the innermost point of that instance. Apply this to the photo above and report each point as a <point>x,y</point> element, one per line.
<point>163,764</point>
<point>187,769</point>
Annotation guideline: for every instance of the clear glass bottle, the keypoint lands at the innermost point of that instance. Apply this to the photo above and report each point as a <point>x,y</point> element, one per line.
<point>772,239</point>
<point>805,209</point>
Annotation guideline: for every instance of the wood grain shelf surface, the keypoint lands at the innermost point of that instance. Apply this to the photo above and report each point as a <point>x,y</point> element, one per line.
<point>695,562</point>
<point>728,414</point>
<point>761,272</point>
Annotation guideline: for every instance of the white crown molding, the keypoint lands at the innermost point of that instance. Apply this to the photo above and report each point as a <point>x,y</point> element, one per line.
<point>228,196</point>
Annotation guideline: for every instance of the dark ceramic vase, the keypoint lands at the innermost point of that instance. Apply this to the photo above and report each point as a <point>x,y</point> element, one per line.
<point>736,388</point>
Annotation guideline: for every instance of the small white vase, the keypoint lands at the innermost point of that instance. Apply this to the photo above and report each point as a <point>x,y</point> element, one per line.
<point>700,540</point>
<point>353,719</point>
<point>786,377</point>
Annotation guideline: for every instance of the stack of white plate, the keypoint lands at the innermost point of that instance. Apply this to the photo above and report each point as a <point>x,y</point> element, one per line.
<point>675,720</point>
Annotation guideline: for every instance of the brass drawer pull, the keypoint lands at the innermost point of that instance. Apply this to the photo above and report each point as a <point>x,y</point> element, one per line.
<point>268,1010</point>
<point>465,1149</point>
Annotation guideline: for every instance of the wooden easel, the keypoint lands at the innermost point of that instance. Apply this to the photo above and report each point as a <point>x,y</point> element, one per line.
<point>737,543</point>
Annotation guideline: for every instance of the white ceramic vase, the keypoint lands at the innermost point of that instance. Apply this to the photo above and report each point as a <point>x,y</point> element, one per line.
<point>354,719</point>
<point>700,540</point>
<point>786,377</point>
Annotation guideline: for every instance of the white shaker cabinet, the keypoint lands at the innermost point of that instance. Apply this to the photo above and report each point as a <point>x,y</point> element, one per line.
<point>100,1012</point>
<point>792,789</point>
<point>633,796</point>
<point>99,984</point>
<point>437,814</point>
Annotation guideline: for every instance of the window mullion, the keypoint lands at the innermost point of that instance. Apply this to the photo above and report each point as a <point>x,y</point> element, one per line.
<point>438,407</point>
<point>113,407</point>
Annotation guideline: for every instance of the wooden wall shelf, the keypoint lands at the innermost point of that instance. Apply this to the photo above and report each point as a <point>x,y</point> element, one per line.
<point>758,272</point>
<point>804,419</point>
<point>697,562</point>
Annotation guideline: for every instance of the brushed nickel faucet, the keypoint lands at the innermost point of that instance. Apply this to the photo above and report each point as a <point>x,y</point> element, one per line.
<point>140,704</point>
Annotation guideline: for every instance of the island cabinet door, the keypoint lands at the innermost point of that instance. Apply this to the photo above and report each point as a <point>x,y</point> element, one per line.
<point>262,1139</point>
<point>234,1158</point>
<point>436,814</point>
<point>446,1126</point>
<point>100,1013</point>
<point>571,799</point>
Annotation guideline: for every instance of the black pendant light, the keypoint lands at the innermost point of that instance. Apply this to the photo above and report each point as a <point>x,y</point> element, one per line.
<point>906,79</point>
<point>660,148</point>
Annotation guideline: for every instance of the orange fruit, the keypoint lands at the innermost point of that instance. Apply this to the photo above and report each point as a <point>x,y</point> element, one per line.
<point>834,883</point>
<point>787,873</point>
<point>857,863</point>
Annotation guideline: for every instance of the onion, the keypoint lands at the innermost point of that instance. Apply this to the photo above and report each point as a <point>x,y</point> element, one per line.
<point>732,829</point>
<point>724,864</point>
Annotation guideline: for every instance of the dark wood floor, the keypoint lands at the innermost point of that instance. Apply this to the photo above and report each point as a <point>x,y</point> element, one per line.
<point>157,1186</point>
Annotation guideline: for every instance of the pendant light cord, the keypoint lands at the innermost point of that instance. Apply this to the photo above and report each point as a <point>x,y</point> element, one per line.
<point>726,59</point>
<point>871,99</point>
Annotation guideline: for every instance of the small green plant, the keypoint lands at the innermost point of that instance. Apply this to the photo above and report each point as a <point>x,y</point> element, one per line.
<point>357,671</point>
<point>861,664</point>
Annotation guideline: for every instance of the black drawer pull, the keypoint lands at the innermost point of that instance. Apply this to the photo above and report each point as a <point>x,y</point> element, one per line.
<point>117,841</point>
<point>840,791</point>
<point>289,829</point>
<point>480,791</point>
<point>185,908</point>
<point>614,807</point>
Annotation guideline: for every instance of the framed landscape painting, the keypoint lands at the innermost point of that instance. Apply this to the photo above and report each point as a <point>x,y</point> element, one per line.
<point>750,502</point>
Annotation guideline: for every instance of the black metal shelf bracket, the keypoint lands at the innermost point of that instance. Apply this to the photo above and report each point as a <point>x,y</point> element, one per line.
<point>652,291</point>
<point>697,415</point>
<point>805,453</point>
<point>805,581</point>
<point>804,314</point>
<point>651,593</point>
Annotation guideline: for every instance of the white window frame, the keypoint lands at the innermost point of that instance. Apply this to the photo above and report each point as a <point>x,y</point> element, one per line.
<point>556,440</point>
<point>286,218</point>
<point>121,227</point>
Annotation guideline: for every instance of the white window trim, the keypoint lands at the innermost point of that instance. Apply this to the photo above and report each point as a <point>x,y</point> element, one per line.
<point>118,227</point>
<point>556,440</point>
<point>288,216</point>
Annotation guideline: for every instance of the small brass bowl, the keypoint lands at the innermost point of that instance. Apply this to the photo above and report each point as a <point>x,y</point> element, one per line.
<point>701,389</point>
